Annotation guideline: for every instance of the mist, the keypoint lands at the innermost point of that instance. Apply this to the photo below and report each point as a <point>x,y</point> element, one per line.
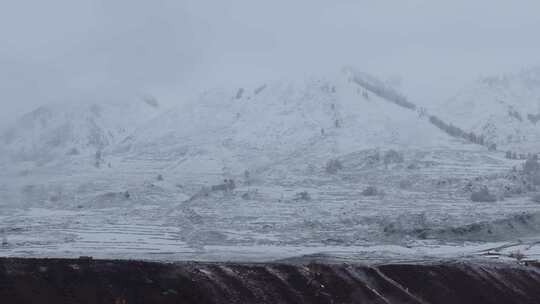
<point>66,51</point>
<point>269,151</point>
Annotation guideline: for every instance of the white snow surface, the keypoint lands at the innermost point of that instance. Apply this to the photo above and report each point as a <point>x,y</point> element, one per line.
<point>505,109</point>
<point>136,180</point>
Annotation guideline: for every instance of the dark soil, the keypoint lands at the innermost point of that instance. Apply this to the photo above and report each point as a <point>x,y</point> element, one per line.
<point>122,282</point>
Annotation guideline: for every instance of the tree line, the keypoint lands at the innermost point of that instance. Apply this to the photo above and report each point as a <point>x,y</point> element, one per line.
<point>454,131</point>
<point>383,91</point>
<point>389,94</point>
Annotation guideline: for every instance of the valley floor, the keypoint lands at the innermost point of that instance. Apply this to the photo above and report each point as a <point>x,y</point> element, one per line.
<point>422,211</point>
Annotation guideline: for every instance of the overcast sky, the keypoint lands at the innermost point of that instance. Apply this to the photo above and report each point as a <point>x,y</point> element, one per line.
<point>70,50</point>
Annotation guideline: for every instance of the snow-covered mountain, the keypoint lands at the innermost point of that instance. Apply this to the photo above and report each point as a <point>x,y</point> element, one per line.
<point>59,130</point>
<point>229,128</point>
<point>505,110</point>
<point>344,160</point>
<point>248,127</point>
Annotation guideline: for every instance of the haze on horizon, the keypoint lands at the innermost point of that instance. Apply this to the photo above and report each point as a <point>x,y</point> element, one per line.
<point>95,49</point>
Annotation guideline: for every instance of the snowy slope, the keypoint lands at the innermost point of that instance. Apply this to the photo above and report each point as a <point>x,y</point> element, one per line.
<point>227,128</point>
<point>56,131</point>
<point>505,109</point>
<point>228,131</point>
<point>158,192</point>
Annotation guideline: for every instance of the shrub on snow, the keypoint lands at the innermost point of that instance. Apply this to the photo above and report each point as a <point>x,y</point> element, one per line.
<point>370,191</point>
<point>531,166</point>
<point>302,196</point>
<point>482,195</point>
<point>392,156</point>
<point>333,166</point>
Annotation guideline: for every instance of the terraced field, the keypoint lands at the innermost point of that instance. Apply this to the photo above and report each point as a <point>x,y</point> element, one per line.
<point>422,205</point>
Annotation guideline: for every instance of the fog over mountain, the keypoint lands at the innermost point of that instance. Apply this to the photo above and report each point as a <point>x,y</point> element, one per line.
<point>65,51</point>
<point>249,130</point>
